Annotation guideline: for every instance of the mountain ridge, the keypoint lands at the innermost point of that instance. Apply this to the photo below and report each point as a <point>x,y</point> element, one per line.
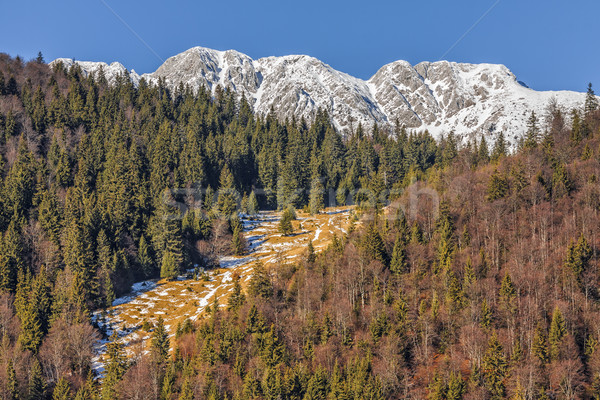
<point>441,96</point>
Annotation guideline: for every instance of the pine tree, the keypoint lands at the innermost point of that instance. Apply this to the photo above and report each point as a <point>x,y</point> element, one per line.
<point>497,186</point>
<point>373,245</point>
<point>539,346</point>
<point>285,223</point>
<point>37,385</point>
<point>495,368</point>
<point>591,102</point>
<point>237,297</point>
<point>316,203</point>
<point>486,315</point>
<point>557,332</point>
<point>145,259</point>
<point>115,366</point>
<point>12,385</point>
<point>533,132</point>
<point>317,385</point>
<point>238,245</point>
<point>62,390</point>
<point>168,267</point>
<point>398,265</point>
<point>508,294</point>
<point>500,148</point>
<point>260,282</point>
<point>456,387</point>
<point>252,204</point>
<point>160,341</point>
<point>311,256</point>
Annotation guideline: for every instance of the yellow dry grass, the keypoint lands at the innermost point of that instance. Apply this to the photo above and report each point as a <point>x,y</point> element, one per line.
<point>188,298</point>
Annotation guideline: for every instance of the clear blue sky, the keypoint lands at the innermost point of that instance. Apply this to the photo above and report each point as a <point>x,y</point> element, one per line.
<point>548,44</point>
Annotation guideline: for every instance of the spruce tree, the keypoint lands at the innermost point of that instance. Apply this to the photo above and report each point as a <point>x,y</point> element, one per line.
<point>557,332</point>
<point>316,203</point>
<point>12,385</point>
<point>62,390</point>
<point>591,102</point>
<point>495,368</point>
<point>532,135</point>
<point>539,345</point>
<point>115,366</point>
<point>497,186</point>
<point>311,256</point>
<point>373,245</point>
<point>160,341</point>
<point>36,387</point>
<point>252,204</point>
<point>398,265</point>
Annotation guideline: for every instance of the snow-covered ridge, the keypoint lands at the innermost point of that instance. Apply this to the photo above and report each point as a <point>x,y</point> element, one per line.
<point>469,99</point>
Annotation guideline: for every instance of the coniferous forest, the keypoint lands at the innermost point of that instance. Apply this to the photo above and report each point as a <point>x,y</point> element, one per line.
<point>490,293</point>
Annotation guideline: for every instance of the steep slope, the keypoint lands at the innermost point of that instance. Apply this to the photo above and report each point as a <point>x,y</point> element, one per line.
<point>469,99</point>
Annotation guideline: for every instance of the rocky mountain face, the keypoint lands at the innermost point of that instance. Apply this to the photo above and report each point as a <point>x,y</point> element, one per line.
<point>469,99</point>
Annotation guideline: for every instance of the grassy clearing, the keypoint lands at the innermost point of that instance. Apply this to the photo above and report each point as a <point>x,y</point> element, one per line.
<point>188,298</point>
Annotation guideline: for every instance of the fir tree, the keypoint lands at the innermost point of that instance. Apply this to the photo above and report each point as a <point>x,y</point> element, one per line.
<point>533,132</point>
<point>398,265</point>
<point>252,204</point>
<point>557,332</point>
<point>539,346</point>
<point>373,245</point>
<point>160,341</point>
<point>115,366</point>
<point>12,385</point>
<point>311,256</point>
<point>62,390</point>
<point>36,387</point>
<point>500,148</point>
<point>168,267</point>
<point>508,294</point>
<point>497,186</point>
<point>495,368</point>
<point>591,102</point>
<point>316,203</point>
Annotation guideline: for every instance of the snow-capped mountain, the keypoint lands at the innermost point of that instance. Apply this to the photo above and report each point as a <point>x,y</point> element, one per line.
<point>469,99</point>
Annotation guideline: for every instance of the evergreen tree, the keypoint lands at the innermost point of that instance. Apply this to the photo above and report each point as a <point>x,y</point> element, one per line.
<point>168,267</point>
<point>115,366</point>
<point>62,390</point>
<point>539,345</point>
<point>252,204</point>
<point>260,282</point>
<point>237,297</point>
<point>557,332</point>
<point>508,294</point>
<point>500,148</point>
<point>495,368</point>
<point>238,245</point>
<point>486,315</point>
<point>316,203</point>
<point>591,102</point>
<point>311,256</point>
<point>36,387</point>
<point>160,341</point>
<point>398,264</point>
<point>532,135</point>
<point>373,245</point>
<point>12,385</point>
<point>497,186</point>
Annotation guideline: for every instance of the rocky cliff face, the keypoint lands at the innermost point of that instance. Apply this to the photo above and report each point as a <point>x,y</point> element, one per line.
<point>469,99</point>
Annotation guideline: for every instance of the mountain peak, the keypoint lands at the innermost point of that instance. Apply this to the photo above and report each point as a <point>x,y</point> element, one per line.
<point>440,96</point>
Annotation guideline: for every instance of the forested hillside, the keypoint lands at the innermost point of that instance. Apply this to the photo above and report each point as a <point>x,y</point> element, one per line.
<point>494,295</point>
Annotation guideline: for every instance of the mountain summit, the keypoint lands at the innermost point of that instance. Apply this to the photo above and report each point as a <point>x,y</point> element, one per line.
<point>469,99</point>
